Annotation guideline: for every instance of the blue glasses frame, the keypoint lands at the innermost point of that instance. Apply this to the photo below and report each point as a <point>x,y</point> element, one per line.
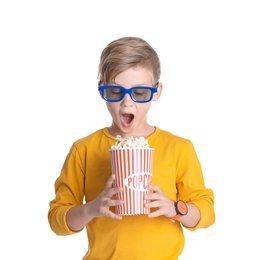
<point>125,91</point>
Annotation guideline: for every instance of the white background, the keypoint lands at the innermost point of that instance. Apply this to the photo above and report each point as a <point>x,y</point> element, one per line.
<point>49,53</point>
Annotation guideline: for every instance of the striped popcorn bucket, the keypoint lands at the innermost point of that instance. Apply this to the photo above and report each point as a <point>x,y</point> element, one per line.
<point>133,170</point>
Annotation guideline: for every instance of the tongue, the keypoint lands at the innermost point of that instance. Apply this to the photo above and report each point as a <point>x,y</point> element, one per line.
<point>127,118</point>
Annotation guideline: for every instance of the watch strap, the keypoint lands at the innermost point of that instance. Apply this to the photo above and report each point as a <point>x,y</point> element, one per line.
<point>178,215</point>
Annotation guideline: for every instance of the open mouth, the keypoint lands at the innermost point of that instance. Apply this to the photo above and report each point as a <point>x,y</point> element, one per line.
<point>127,119</point>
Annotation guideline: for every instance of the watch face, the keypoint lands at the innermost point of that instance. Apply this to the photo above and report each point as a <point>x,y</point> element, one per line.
<point>182,207</point>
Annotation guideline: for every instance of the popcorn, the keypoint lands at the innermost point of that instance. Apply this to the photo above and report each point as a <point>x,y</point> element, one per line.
<point>132,163</point>
<point>130,142</point>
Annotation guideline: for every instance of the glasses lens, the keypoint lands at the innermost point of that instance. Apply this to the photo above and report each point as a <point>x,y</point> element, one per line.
<point>113,93</point>
<point>141,94</point>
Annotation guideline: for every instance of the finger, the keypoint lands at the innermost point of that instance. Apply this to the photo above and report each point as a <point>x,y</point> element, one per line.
<point>156,213</point>
<point>114,216</point>
<point>154,196</point>
<point>108,213</point>
<point>157,204</point>
<point>111,192</point>
<point>110,181</point>
<point>114,202</point>
<point>154,188</point>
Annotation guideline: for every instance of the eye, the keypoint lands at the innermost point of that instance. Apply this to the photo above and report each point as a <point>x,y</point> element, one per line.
<point>116,91</point>
<point>139,92</point>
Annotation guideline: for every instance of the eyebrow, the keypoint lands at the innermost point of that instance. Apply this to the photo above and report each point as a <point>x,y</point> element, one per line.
<point>137,85</point>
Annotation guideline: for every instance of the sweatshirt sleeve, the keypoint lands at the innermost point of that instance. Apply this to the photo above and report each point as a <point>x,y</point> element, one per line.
<point>69,192</point>
<point>191,186</point>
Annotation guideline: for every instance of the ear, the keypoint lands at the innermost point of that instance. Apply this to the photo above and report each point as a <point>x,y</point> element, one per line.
<point>157,95</point>
<point>100,94</point>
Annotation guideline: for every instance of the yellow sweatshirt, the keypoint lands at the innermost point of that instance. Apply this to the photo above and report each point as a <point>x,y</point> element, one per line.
<point>84,174</point>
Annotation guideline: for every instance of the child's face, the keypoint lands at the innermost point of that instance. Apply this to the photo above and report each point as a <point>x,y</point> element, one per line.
<point>129,117</point>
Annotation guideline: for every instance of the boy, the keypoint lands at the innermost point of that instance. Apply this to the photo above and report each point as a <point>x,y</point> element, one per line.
<point>129,73</point>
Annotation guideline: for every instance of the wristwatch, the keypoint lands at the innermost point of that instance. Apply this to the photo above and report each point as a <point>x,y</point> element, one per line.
<point>180,208</point>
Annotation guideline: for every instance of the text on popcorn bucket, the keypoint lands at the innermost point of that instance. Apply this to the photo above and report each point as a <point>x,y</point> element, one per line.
<point>139,181</point>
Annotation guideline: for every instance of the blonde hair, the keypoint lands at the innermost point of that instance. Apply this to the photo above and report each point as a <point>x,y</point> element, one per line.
<point>125,53</point>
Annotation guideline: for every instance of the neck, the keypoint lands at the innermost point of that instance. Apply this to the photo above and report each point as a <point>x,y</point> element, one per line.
<point>145,132</point>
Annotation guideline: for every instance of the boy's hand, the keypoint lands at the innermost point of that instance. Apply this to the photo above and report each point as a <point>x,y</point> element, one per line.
<point>161,202</point>
<point>101,205</point>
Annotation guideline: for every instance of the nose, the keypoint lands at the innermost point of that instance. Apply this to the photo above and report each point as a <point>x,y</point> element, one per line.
<point>127,100</point>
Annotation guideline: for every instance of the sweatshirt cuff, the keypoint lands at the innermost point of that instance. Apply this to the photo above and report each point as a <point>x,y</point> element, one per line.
<point>207,215</point>
<point>63,223</point>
